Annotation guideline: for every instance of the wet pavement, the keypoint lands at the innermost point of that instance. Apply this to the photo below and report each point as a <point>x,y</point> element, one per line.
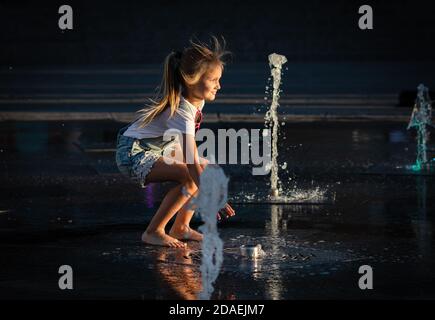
<point>63,202</point>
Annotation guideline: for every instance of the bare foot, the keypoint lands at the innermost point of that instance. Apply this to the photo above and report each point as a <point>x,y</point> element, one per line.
<point>160,238</point>
<point>185,233</point>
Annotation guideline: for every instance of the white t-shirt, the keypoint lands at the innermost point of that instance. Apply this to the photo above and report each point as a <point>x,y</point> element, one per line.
<point>183,120</point>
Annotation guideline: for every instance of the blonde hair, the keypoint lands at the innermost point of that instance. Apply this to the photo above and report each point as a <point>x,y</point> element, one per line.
<point>181,69</point>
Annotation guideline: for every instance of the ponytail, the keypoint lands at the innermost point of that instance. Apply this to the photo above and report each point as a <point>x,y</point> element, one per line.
<point>169,90</point>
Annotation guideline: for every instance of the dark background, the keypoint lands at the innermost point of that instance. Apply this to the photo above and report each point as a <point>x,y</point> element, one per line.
<point>65,95</point>
<point>143,32</point>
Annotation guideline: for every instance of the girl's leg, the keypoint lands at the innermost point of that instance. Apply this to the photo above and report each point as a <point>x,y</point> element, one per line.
<point>181,227</point>
<point>172,202</point>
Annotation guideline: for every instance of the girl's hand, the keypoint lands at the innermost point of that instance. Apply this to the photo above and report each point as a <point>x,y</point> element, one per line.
<point>229,210</point>
<point>226,212</point>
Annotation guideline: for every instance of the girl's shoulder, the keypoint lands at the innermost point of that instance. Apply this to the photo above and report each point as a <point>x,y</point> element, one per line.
<point>188,107</point>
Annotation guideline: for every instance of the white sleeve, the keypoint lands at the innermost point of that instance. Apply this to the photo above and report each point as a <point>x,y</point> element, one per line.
<point>182,120</point>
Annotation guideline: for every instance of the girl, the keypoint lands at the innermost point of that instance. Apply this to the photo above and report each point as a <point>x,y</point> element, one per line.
<point>190,78</point>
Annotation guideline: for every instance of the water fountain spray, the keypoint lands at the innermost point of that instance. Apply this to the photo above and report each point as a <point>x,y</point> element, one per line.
<point>275,62</point>
<point>212,197</point>
<point>421,119</point>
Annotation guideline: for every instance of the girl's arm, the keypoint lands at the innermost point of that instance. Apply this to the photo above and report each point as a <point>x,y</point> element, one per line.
<point>196,165</point>
<point>191,157</point>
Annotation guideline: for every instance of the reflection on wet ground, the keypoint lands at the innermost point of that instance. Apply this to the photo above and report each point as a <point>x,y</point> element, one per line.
<point>64,202</point>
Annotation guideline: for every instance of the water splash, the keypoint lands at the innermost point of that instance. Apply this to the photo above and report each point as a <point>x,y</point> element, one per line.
<point>271,120</point>
<point>295,195</point>
<point>212,197</point>
<point>421,119</point>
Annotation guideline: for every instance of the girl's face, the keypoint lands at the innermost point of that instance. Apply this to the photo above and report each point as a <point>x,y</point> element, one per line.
<point>208,85</point>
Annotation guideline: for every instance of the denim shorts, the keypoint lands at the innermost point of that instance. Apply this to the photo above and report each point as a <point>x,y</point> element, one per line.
<point>136,157</point>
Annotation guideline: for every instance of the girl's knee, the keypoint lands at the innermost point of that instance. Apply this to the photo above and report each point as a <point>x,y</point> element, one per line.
<point>186,180</point>
<point>190,184</point>
<point>204,162</point>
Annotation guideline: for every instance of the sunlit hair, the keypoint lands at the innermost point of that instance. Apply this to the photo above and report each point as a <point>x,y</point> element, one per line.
<point>179,70</point>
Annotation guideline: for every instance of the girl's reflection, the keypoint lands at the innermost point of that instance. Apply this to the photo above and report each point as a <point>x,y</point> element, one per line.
<point>178,270</point>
